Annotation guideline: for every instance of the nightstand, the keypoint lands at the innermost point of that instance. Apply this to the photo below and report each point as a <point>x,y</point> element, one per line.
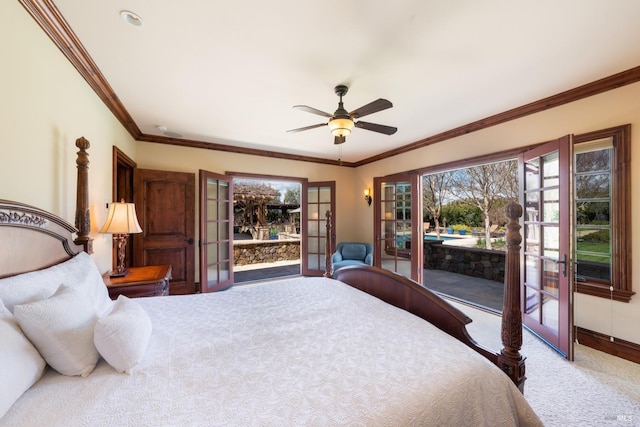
<point>152,280</point>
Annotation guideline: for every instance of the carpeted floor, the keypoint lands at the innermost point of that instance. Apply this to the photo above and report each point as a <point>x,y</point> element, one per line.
<point>596,389</point>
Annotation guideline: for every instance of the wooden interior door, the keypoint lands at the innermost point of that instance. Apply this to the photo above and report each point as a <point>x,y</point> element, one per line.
<point>397,201</point>
<point>165,204</point>
<point>547,279</point>
<point>317,199</point>
<point>216,232</point>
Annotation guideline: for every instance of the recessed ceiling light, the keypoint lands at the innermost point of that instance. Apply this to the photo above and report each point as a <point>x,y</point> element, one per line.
<point>131,18</point>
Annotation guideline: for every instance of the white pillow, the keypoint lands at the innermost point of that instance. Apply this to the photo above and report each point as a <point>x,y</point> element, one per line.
<point>78,272</point>
<point>20,363</point>
<point>61,328</point>
<point>122,337</point>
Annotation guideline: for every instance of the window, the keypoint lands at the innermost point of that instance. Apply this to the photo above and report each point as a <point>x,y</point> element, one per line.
<point>592,204</point>
<point>602,213</point>
<point>602,210</point>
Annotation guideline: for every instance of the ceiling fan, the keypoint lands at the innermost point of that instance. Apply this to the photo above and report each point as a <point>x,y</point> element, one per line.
<point>342,122</point>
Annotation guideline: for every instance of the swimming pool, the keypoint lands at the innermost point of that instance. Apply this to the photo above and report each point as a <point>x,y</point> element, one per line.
<point>442,237</point>
<point>401,239</point>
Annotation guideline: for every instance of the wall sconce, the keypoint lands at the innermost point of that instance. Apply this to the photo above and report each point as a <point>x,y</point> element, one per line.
<point>121,221</point>
<point>367,196</point>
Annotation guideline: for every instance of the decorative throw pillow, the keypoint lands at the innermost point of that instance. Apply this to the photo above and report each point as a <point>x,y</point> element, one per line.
<point>30,287</point>
<point>20,363</point>
<point>122,337</point>
<point>78,272</point>
<point>61,328</point>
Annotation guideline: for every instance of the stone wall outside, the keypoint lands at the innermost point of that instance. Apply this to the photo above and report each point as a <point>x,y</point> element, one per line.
<point>265,251</point>
<point>487,264</point>
<point>484,263</point>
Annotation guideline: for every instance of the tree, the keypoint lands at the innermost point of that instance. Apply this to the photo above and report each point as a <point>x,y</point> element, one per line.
<point>292,196</point>
<point>435,187</point>
<point>487,186</point>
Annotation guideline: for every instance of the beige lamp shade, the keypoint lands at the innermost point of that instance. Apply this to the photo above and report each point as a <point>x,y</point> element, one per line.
<point>341,127</point>
<point>121,219</point>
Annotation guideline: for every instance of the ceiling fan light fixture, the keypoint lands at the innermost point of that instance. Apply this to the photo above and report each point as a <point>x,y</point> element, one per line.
<point>341,127</point>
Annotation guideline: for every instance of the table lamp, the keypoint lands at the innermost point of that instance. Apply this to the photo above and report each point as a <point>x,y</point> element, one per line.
<point>121,221</point>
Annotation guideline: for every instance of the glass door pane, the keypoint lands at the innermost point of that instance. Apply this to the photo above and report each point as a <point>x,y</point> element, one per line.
<point>216,262</point>
<point>546,294</point>
<point>318,198</point>
<point>398,222</point>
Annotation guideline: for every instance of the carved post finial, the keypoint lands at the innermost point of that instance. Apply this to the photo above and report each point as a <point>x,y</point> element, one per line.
<point>83,216</point>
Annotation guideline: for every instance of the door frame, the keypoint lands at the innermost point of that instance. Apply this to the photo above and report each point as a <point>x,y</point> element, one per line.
<point>123,169</point>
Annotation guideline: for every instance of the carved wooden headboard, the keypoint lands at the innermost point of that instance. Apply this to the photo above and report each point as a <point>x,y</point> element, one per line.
<point>32,239</point>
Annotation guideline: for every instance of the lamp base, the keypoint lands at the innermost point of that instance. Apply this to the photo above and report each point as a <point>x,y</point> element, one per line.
<point>116,273</point>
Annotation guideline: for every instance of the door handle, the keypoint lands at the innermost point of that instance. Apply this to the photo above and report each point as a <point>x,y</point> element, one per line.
<point>190,241</point>
<point>564,264</point>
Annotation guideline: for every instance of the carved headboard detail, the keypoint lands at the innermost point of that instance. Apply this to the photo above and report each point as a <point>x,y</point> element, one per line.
<point>49,239</point>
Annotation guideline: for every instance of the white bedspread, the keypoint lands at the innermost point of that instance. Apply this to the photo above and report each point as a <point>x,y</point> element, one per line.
<point>297,352</point>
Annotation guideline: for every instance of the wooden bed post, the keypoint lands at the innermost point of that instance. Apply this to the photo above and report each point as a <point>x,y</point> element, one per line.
<point>328,265</point>
<point>510,359</point>
<point>83,216</point>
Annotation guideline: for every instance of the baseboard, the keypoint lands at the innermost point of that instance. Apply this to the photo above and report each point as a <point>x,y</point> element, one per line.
<point>620,348</point>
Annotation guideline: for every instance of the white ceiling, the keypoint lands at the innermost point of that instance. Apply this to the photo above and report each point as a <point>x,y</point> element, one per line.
<point>229,72</point>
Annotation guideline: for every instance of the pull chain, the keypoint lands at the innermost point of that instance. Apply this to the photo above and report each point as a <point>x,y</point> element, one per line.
<point>611,313</point>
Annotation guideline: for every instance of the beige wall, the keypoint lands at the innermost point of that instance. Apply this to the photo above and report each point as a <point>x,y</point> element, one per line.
<point>181,159</point>
<point>46,105</point>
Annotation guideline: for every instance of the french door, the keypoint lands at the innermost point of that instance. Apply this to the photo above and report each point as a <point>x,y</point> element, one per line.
<point>216,232</point>
<point>398,225</point>
<point>546,270</point>
<point>317,199</point>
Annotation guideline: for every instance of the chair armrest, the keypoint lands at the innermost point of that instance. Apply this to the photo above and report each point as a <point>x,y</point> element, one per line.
<point>336,257</point>
<point>368,259</point>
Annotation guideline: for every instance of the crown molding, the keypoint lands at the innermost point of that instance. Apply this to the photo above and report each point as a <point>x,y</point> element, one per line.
<point>52,22</point>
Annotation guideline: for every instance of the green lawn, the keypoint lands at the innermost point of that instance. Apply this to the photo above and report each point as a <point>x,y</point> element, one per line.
<point>594,249</point>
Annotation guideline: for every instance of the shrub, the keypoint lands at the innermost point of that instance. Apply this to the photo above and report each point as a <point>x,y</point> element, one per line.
<point>601,236</point>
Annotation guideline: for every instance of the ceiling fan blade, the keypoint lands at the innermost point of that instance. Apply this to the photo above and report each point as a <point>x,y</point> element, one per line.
<point>372,107</point>
<point>312,110</point>
<point>387,130</point>
<point>307,127</point>
<point>339,140</point>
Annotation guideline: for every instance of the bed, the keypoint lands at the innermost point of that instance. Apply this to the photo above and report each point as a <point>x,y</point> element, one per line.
<point>349,350</point>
